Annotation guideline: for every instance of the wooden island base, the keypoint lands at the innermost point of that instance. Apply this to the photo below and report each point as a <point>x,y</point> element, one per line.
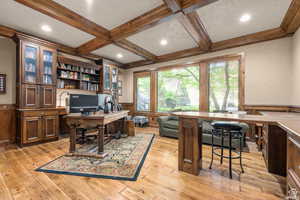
<point>190,146</point>
<point>190,138</point>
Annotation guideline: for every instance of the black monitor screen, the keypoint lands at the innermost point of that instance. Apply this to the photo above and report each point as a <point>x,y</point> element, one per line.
<point>81,102</point>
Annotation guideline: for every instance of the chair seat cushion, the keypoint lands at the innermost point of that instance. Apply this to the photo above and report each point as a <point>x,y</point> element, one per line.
<point>227,125</point>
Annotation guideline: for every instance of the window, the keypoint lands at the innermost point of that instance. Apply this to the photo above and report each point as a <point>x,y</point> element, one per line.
<point>143,93</point>
<point>178,89</point>
<point>224,86</point>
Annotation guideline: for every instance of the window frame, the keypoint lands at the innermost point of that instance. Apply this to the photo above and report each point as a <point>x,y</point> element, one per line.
<point>177,67</point>
<point>136,77</point>
<point>203,85</point>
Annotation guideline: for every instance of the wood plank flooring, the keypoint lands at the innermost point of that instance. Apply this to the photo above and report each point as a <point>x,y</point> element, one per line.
<point>159,178</point>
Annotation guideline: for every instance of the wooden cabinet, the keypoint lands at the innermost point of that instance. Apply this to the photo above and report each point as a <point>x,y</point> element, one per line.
<point>36,73</point>
<point>50,126</point>
<point>293,162</point>
<point>29,63</point>
<point>47,96</point>
<point>31,129</point>
<point>29,96</point>
<point>109,76</point>
<point>37,126</point>
<point>37,118</point>
<point>274,149</point>
<point>48,60</point>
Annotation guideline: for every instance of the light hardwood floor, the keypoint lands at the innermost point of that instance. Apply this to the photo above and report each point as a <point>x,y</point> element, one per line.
<point>159,178</point>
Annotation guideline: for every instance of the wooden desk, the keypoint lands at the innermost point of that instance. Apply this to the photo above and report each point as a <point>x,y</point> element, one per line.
<point>97,120</point>
<point>190,137</point>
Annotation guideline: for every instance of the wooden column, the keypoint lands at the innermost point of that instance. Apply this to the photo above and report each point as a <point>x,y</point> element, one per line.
<point>204,82</point>
<point>190,146</point>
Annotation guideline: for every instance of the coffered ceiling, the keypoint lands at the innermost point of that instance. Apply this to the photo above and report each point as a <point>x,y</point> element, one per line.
<point>111,51</point>
<point>22,18</point>
<point>172,31</point>
<point>225,24</point>
<point>110,13</point>
<point>135,29</point>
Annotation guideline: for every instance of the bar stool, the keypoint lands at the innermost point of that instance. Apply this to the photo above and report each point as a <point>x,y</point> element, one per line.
<point>230,131</point>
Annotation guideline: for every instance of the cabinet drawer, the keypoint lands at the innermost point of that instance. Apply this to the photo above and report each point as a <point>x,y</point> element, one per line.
<point>50,113</point>
<point>39,113</point>
<point>31,113</point>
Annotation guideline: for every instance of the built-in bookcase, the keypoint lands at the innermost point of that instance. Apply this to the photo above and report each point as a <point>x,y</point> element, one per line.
<point>72,74</point>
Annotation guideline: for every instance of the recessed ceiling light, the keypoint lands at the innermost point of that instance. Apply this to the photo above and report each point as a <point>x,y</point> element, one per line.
<point>119,55</point>
<point>46,28</point>
<point>189,63</point>
<point>163,42</point>
<point>245,18</point>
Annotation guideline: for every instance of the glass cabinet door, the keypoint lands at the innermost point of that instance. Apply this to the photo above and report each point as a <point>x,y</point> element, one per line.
<point>30,64</point>
<point>47,70</point>
<point>106,74</point>
<point>114,78</point>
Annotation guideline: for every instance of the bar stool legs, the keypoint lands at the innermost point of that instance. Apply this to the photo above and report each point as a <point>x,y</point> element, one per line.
<point>222,146</point>
<point>230,135</point>
<point>212,151</point>
<point>230,156</point>
<point>241,147</point>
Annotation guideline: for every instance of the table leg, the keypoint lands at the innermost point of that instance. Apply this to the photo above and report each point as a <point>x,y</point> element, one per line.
<point>123,126</point>
<point>100,139</point>
<point>190,146</point>
<point>73,140</point>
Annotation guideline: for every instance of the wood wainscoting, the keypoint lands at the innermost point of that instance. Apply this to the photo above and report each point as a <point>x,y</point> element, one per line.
<point>7,123</point>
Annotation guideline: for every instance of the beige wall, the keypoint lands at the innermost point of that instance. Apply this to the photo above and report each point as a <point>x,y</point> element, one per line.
<point>296,70</point>
<point>8,67</point>
<point>268,72</point>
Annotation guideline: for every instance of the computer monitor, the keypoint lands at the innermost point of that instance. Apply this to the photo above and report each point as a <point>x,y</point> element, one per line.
<point>83,103</point>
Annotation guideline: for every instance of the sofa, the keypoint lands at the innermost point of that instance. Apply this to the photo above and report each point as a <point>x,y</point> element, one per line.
<point>169,126</point>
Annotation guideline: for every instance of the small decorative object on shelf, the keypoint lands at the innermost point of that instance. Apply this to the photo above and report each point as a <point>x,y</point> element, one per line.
<point>2,83</point>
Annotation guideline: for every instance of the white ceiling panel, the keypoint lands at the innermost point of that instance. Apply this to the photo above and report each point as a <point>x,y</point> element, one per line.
<point>222,18</point>
<point>22,18</point>
<point>110,13</point>
<point>172,31</point>
<point>111,51</point>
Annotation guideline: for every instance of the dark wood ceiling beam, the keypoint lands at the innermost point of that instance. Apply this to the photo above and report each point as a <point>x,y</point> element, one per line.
<point>148,20</point>
<point>188,6</point>
<point>143,22</point>
<point>226,44</point>
<point>191,21</point>
<point>92,45</point>
<point>181,54</point>
<point>126,44</point>
<point>291,21</point>
<point>11,33</point>
<point>249,39</point>
<point>61,13</point>
<point>194,26</point>
<point>7,32</point>
<point>138,63</point>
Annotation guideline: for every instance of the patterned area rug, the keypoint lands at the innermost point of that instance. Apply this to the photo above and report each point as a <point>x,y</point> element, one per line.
<point>124,161</point>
